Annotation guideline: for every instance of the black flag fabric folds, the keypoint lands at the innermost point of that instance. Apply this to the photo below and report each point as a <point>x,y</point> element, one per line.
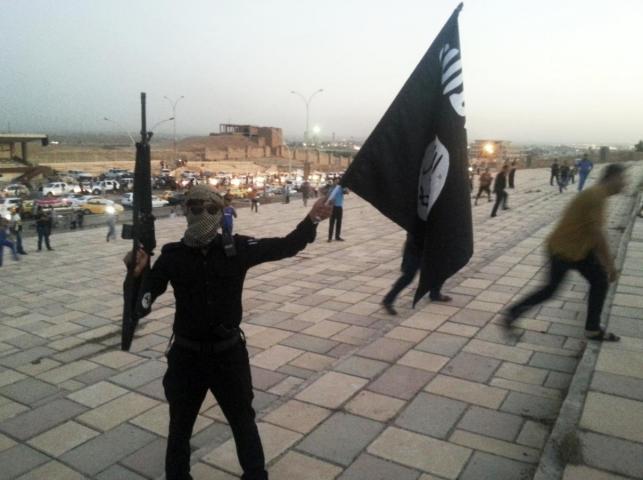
<point>414,168</point>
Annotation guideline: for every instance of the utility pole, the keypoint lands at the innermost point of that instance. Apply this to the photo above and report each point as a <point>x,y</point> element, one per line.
<point>307,103</point>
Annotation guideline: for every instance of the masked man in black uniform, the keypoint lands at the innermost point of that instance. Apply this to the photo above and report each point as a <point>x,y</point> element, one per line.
<point>207,271</point>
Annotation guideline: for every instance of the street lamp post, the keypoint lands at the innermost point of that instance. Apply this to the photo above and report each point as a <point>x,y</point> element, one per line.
<point>122,128</point>
<point>307,103</point>
<point>173,104</point>
<point>160,123</point>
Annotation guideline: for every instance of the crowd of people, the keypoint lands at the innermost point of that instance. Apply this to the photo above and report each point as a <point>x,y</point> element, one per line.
<point>564,174</point>
<point>505,178</point>
<point>11,232</point>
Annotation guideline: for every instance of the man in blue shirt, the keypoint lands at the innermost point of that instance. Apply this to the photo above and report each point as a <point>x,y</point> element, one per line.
<point>4,240</point>
<point>584,167</point>
<point>337,196</point>
<point>229,214</point>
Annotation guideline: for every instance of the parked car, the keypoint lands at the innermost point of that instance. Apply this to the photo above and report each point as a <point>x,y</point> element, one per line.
<point>166,194</point>
<point>158,202</point>
<point>114,173</point>
<point>79,174</point>
<point>59,188</point>
<point>100,206</point>
<point>52,202</point>
<point>127,200</point>
<point>164,182</point>
<point>77,199</point>
<point>16,189</point>
<point>105,186</point>
<point>270,191</point>
<point>7,205</point>
<point>176,198</point>
<point>237,192</point>
<point>85,187</point>
<point>127,183</point>
<point>84,178</point>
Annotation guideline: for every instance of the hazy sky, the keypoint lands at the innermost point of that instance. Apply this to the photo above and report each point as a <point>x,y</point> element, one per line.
<point>539,70</point>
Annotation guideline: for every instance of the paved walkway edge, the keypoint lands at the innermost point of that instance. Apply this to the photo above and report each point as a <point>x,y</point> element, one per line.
<point>563,436</point>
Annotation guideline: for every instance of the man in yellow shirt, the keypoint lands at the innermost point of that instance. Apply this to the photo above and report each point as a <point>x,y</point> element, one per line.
<point>578,242</point>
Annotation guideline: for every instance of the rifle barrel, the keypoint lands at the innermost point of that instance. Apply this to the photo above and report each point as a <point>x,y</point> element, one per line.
<point>143,119</point>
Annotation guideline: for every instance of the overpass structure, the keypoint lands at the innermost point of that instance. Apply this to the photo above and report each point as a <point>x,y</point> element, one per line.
<point>19,163</point>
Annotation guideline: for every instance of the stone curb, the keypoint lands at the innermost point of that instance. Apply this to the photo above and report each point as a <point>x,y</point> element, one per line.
<point>563,436</point>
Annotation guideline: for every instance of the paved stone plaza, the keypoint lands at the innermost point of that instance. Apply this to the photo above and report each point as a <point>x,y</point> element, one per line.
<point>343,390</point>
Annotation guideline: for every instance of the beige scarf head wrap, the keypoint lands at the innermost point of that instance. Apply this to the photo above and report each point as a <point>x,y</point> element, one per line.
<point>202,227</point>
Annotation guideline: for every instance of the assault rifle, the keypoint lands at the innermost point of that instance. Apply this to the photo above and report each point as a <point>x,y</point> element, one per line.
<point>136,290</point>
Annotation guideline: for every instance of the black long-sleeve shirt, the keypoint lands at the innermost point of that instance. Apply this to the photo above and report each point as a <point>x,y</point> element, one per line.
<point>501,183</point>
<point>208,284</point>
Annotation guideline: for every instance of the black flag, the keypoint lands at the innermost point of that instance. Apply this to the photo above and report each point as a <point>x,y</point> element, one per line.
<point>414,168</point>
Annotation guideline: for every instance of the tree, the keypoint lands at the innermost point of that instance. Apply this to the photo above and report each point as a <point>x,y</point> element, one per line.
<point>639,146</point>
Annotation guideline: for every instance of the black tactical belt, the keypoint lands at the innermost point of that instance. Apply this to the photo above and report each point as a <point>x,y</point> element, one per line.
<point>207,347</point>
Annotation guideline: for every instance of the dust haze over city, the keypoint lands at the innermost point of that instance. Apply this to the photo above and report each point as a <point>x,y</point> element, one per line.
<point>540,72</point>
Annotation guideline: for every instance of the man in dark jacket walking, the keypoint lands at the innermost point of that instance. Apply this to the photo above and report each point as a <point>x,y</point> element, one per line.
<point>411,263</point>
<point>512,174</point>
<point>563,177</point>
<point>554,172</point>
<point>209,351</point>
<point>499,188</point>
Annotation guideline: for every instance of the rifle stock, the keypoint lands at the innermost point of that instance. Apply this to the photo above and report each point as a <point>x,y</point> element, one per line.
<point>136,291</point>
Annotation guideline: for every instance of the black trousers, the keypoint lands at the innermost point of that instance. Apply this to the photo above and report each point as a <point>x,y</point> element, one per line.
<point>594,273</point>
<point>481,189</point>
<point>335,223</point>
<point>511,179</point>
<point>227,375</point>
<point>500,197</point>
<point>410,266</point>
<point>43,234</point>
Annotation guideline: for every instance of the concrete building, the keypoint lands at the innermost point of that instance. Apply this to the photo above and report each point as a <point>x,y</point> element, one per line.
<point>262,136</point>
<point>494,152</point>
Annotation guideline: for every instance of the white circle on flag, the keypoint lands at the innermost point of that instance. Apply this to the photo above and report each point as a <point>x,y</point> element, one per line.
<point>433,175</point>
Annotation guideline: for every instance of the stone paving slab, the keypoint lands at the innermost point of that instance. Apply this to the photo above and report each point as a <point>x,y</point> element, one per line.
<point>342,389</point>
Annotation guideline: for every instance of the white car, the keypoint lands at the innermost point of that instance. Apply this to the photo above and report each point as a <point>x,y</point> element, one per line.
<point>113,173</point>
<point>105,186</point>
<point>158,202</point>
<point>7,205</point>
<point>127,200</point>
<point>76,200</point>
<point>16,189</point>
<point>59,188</point>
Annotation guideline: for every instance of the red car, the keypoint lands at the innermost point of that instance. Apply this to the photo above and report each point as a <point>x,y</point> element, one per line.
<point>53,202</point>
